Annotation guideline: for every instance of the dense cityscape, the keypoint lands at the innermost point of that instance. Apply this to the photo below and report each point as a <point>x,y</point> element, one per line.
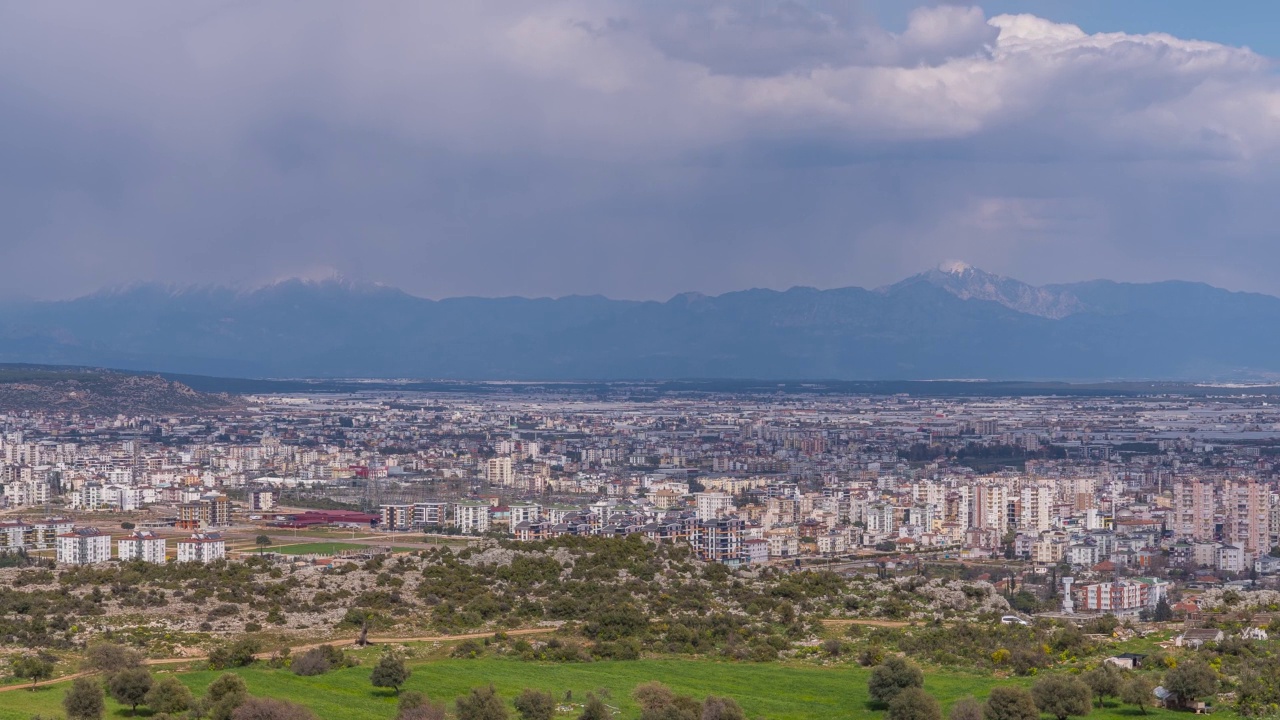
<point>1129,496</point>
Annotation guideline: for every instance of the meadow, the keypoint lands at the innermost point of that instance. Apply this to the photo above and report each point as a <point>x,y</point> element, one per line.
<point>777,691</point>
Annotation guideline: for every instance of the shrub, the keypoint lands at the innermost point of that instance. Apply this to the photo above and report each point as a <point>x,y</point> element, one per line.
<point>1009,702</point>
<point>482,703</point>
<point>271,709</point>
<point>318,661</point>
<point>913,703</point>
<point>416,706</point>
<point>892,677</point>
<point>84,701</point>
<point>169,695</point>
<point>965,709</point>
<point>535,705</point>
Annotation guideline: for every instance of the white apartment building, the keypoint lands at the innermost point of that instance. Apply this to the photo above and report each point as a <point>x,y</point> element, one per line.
<point>712,505</point>
<point>202,548</point>
<point>121,497</point>
<point>427,514</point>
<point>1036,504</point>
<point>142,545</point>
<point>90,497</point>
<point>83,546</point>
<point>525,512</point>
<point>472,517</point>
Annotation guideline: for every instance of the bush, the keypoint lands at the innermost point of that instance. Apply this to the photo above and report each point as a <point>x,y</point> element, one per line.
<point>535,705</point>
<point>416,706</point>
<point>169,695</point>
<point>482,703</point>
<point>594,709</point>
<point>1009,702</point>
<point>965,709</point>
<point>224,695</point>
<point>318,661</point>
<point>468,649</point>
<point>271,709</point>
<point>913,703</point>
<point>892,677</point>
<point>84,701</point>
<point>722,708</point>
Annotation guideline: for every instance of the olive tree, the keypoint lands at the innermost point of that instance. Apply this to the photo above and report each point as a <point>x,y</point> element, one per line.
<point>1062,696</point>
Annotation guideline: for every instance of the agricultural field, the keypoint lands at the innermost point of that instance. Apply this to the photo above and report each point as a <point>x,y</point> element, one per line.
<point>774,691</point>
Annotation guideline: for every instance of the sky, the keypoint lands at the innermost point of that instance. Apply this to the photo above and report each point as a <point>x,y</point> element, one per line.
<point>635,148</point>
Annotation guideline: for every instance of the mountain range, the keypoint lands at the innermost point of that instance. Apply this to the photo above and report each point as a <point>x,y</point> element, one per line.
<point>951,322</point>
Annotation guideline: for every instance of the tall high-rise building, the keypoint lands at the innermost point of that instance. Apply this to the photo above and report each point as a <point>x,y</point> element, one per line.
<point>501,471</point>
<point>1035,508</point>
<point>1193,509</point>
<point>1247,516</point>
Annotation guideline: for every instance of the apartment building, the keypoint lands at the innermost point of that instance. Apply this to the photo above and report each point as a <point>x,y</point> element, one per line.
<point>472,517</point>
<point>142,545</point>
<point>202,548</point>
<point>83,546</point>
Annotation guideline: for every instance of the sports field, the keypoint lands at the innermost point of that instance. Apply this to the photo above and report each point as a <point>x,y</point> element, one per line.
<point>770,690</point>
<point>316,548</point>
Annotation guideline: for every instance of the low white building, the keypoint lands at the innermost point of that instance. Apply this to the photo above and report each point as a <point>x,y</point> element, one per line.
<point>1230,559</point>
<point>202,548</point>
<point>142,545</point>
<point>83,546</point>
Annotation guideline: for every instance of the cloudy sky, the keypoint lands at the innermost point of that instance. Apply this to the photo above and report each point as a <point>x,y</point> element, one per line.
<point>635,149</point>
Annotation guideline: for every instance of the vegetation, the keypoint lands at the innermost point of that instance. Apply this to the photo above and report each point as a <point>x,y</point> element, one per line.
<point>1138,690</point>
<point>1062,696</point>
<point>84,701</point>
<point>913,703</point>
<point>1191,681</point>
<point>1009,702</point>
<point>130,687</point>
<point>892,677</point>
<point>481,703</point>
<point>169,695</point>
<point>32,667</point>
<point>390,671</point>
<point>533,704</point>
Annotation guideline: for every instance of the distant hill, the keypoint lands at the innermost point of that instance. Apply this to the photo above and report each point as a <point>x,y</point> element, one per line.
<point>953,322</point>
<point>99,392</point>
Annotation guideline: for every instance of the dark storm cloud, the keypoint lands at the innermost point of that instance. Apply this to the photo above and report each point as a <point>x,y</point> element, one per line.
<point>635,149</point>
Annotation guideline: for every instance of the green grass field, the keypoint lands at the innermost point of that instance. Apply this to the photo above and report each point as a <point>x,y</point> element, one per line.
<point>773,690</point>
<point>316,548</point>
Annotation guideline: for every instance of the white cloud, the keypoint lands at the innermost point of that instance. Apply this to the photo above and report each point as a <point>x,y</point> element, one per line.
<point>416,141</point>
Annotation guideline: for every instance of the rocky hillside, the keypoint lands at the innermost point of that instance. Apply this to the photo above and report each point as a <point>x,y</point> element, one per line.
<point>99,392</point>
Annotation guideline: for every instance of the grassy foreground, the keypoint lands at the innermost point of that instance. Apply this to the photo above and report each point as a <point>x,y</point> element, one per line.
<point>770,690</point>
